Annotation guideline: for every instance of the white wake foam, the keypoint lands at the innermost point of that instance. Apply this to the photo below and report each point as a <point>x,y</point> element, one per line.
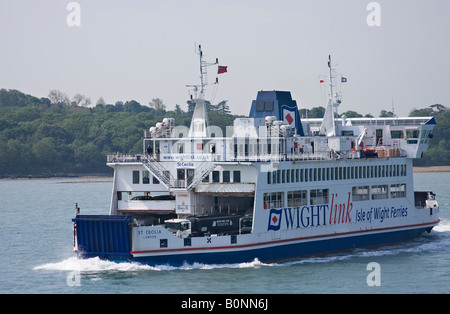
<point>443,226</point>
<point>91,265</point>
<point>98,265</point>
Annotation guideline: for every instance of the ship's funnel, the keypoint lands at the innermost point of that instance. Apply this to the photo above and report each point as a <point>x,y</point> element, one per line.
<point>276,104</point>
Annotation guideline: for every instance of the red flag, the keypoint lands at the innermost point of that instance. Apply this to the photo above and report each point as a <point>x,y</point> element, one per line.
<point>222,69</point>
<point>321,81</point>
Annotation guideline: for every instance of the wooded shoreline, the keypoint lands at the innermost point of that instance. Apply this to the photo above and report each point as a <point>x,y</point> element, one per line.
<point>432,169</point>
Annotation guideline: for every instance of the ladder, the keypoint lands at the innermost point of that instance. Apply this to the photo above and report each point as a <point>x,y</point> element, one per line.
<point>158,171</point>
<point>200,173</point>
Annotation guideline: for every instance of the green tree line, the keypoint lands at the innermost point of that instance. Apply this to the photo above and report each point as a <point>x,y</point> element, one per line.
<point>55,137</point>
<point>52,136</point>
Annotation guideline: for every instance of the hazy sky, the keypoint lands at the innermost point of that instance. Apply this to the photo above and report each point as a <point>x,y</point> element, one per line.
<point>140,50</point>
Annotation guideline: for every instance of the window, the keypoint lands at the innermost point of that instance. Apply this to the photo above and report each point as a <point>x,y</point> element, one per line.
<point>166,174</point>
<point>398,190</point>
<point>379,192</point>
<point>216,176</point>
<point>163,243</point>
<point>236,176</point>
<point>264,106</point>
<point>260,106</point>
<point>360,193</point>
<point>268,106</point>
<point>396,134</point>
<point>297,198</point>
<point>319,196</point>
<point>412,133</point>
<point>226,176</point>
<point>273,200</point>
<point>135,177</point>
<point>145,177</point>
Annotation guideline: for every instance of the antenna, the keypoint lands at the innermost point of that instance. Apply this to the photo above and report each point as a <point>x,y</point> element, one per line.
<point>331,77</point>
<point>203,74</point>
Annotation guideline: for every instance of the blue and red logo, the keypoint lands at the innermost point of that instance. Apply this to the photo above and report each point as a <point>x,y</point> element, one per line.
<point>275,219</point>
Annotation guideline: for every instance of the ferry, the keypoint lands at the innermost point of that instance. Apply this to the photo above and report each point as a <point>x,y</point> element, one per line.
<point>271,187</point>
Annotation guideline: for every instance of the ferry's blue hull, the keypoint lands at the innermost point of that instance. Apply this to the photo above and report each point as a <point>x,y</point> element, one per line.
<point>285,251</point>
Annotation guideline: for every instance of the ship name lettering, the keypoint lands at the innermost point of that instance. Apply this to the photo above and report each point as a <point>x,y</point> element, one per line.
<point>340,213</point>
<point>153,231</point>
<point>306,216</point>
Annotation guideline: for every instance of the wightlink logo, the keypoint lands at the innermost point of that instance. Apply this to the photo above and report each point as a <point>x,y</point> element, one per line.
<point>311,216</point>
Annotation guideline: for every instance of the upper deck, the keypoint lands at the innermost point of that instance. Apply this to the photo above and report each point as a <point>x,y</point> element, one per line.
<point>180,157</point>
<point>386,137</point>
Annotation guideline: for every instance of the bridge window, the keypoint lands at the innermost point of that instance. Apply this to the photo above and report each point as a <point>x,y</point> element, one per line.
<point>397,134</point>
<point>412,133</point>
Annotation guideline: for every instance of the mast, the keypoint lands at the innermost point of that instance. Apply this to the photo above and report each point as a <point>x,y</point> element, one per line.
<point>203,76</point>
<point>203,72</point>
<point>331,77</point>
<point>199,122</point>
<point>328,126</point>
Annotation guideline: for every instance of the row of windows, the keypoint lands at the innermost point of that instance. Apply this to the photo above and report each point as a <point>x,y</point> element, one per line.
<point>145,177</point>
<point>226,176</point>
<point>216,176</point>
<point>296,198</point>
<point>321,196</point>
<point>335,173</point>
<point>376,192</point>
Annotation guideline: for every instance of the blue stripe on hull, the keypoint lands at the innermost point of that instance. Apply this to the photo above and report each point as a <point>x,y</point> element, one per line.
<point>285,251</point>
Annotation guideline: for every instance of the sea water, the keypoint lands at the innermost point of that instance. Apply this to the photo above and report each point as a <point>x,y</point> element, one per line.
<point>36,239</point>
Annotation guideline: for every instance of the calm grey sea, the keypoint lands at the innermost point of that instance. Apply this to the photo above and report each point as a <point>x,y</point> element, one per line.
<point>36,253</point>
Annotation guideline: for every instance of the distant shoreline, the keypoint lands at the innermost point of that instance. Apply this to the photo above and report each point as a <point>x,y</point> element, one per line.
<point>68,177</point>
<point>432,169</point>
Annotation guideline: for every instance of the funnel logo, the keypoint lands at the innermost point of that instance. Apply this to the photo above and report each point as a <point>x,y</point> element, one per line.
<point>289,117</point>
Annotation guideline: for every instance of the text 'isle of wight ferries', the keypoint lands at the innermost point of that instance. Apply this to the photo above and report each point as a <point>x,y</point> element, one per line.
<point>310,216</point>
